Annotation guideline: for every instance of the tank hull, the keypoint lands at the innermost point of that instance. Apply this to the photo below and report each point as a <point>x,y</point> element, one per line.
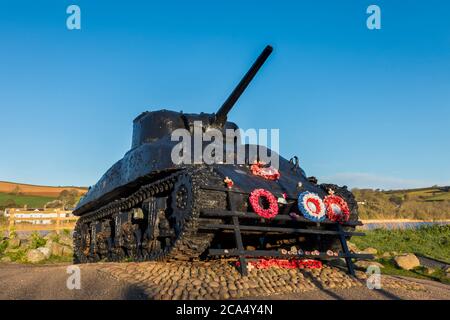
<point>149,223</point>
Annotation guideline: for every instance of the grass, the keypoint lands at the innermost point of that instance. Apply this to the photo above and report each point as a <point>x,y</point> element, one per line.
<point>4,223</point>
<point>423,193</point>
<point>421,273</point>
<point>57,259</point>
<point>429,241</point>
<point>18,255</point>
<point>21,200</point>
<point>3,246</point>
<point>443,196</point>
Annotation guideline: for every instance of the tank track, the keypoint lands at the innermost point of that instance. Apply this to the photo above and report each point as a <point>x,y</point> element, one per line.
<point>188,244</point>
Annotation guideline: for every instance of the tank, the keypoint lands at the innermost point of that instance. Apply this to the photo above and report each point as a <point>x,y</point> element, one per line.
<point>149,207</point>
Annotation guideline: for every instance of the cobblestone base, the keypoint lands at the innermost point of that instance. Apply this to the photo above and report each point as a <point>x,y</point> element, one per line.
<point>221,280</point>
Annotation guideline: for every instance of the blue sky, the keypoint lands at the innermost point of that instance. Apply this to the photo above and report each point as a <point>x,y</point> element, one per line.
<point>366,108</point>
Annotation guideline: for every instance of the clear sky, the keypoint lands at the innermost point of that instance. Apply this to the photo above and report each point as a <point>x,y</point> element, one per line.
<point>366,108</point>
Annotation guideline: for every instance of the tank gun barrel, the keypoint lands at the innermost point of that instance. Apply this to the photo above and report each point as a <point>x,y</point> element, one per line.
<point>221,116</point>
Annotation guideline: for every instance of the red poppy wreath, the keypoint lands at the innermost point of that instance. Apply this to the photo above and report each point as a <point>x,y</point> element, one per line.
<point>269,173</point>
<point>337,208</point>
<point>256,198</point>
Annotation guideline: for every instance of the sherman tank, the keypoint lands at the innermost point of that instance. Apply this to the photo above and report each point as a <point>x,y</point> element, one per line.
<point>149,207</point>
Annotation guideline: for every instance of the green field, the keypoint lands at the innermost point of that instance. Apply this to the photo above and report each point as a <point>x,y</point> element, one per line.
<point>21,200</point>
<point>424,194</point>
<point>444,196</point>
<point>430,241</point>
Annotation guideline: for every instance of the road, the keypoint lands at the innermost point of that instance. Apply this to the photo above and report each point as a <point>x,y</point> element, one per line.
<point>44,282</point>
<point>49,282</point>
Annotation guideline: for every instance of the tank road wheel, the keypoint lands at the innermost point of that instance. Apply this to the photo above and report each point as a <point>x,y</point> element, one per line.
<point>118,254</point>
<point>166,218</point>
<point>117,251</point>
<point>93,255</point>
<point>129,240</point>
<point>103,240</point>
<point>181,204</point>
<point>82,242</point>
<point>151,245</point>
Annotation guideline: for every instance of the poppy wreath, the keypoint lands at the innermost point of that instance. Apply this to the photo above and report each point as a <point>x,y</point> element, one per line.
<point>269,173</point>
<point>285,264</point>
<point>311,206</point>
<point>255,197</point>
<point>337,208</point>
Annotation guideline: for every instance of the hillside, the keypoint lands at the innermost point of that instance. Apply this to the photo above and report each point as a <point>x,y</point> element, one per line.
<point>35,190</point>
<point>20,194</point>
<point>424,203</point>
<point>11,200</point>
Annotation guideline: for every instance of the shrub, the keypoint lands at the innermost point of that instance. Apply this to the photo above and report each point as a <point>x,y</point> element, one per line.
<point>36,241</point>
<point>3,246</point>
<point>12,233</point>
<point>18,256</point>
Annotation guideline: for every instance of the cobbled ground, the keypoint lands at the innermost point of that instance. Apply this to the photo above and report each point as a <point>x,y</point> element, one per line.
<point>222,280</point>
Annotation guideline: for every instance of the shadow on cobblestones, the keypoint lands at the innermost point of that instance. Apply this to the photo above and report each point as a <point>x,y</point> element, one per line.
<point>220,280</point>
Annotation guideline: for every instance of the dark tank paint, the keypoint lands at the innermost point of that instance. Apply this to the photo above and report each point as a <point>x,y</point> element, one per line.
<point>145,207</point>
